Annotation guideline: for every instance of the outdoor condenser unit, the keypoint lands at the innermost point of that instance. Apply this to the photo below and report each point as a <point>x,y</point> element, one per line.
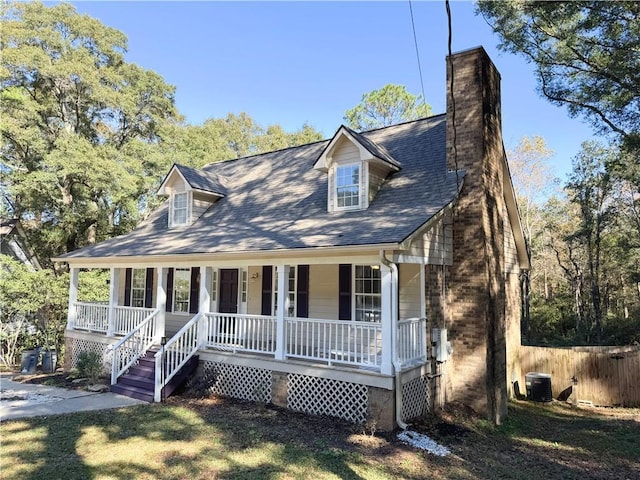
<point>441,347</point>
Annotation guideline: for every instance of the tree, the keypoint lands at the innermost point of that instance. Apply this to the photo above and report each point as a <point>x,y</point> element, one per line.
<point>586,55</point>
<point>387,106</point>
<point>78,124</point>
<point>532,182</point>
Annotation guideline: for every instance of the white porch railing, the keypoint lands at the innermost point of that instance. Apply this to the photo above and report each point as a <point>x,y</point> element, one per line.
<point>412,340</point>
<point>241,332</point>
<point>177,351</point>
<point>128,318</point>
<point>335,341</point>
<point>134,345</point>
<point>91,316</point>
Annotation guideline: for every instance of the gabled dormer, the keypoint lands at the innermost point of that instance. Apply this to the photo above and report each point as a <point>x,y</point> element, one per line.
<point>356,167</point>
<point>190,193</point>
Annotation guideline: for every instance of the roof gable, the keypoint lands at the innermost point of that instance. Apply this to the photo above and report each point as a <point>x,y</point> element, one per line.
<point>198,180</point>
<point>368,149</point>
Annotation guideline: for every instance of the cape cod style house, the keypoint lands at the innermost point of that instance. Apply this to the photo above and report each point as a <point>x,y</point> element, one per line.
<point>369,276</point>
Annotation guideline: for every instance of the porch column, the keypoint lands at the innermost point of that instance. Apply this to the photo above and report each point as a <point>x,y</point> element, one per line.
<point>424,348</point>
<point>73,297</point>
<point>114,290</point>
<point>281,309</point>
<point>205,295</point>
<point>161,300</point>
<point>388,314</point>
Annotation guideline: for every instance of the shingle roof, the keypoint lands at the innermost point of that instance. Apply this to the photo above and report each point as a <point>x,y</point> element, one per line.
<point>375,149</point>
<point>278,201</point>
<point>201,180</point>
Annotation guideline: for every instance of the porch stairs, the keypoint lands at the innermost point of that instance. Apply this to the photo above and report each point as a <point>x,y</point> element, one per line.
<point>138,382</point>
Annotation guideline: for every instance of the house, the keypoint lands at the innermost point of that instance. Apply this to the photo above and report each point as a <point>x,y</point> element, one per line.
<point>370,276</point>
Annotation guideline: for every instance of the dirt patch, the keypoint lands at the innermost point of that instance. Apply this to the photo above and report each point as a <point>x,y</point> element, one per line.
<point>57,379</point>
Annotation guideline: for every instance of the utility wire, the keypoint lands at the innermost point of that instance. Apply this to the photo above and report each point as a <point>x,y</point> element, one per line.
<point>415,41</point>
<point>453,100</point>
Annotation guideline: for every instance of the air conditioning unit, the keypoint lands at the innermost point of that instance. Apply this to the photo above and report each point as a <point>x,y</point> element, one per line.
<point>441,347</point>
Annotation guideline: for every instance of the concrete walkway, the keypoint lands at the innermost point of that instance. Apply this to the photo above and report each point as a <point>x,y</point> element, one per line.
<point>20,400</point>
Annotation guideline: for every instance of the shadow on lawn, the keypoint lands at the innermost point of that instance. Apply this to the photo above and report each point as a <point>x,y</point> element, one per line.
<point>549,441</point>
<point>164,442</point>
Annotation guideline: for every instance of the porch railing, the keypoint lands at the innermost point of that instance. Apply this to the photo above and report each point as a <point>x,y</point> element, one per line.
<point>240,332</point>
<point>91,316</point>
<point>177,351</point>
<point>134,345</point>
<point>335,341</point>
<point>128,318</point>
<point>412,340</point>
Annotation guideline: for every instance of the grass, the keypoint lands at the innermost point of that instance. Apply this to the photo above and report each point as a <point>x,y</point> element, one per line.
<point>216,438</point>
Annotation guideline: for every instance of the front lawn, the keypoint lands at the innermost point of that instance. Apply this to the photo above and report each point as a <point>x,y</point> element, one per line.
<point>218,438</point>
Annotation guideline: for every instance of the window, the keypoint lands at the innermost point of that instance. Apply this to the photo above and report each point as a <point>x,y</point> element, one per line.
<point>292,292</point>
<point>181,289</point>
<point>138,287</point>
<point>180,209</point>
<point>368,299</point>
<point>214,285</point>
<point>244,287</point>
<point>348,186</point>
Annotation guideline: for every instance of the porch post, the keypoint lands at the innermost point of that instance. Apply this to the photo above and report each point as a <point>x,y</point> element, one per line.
<point>205,303</point>
<point>282,309</point>
<point>387,314</point>
<point>114,290</point>
<point>161,300</point>
<point>73,297</point>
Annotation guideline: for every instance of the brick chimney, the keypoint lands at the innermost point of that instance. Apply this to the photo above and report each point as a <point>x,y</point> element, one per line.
<point>476,297</point>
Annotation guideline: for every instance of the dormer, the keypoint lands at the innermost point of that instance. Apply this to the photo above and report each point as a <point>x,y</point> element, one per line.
<point>190,193</point>
<point>356,168</point>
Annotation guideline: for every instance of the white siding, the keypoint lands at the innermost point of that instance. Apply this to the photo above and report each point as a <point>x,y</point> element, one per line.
<point>409,295</point>
<point>345,152</point>
<point>254,291</point>
<point>200,204</point>
<point>377,176</point>
<point>510,250</point>
<point>435,245</point>
<point>323,291</point>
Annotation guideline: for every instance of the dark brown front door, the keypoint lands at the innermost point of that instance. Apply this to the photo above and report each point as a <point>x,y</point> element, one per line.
<point>228,290</point>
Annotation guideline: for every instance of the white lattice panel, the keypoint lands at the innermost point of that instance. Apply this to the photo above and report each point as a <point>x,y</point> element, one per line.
<point>321,396</point>
<point>78,346</point>
<point>416,398</point>
<point>237,381</point>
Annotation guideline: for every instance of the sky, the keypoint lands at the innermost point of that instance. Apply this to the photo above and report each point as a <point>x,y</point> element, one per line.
<point>291,63</point>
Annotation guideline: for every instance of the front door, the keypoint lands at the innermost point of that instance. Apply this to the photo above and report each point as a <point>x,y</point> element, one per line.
<point>228,290</point>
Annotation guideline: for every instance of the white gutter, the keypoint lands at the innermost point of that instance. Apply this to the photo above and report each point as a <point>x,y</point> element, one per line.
<point>397,367</point>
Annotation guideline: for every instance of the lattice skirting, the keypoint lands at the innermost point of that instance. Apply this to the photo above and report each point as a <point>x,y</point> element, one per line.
<point>416,398</point>
<point>237,381</point>
<point>78,346</point>
<point>321,396</point>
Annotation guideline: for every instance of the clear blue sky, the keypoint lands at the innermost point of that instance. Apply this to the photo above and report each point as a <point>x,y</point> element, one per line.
<point>295,62</point>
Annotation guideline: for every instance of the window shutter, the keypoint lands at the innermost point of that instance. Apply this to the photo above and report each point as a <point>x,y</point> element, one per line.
<point>194,295</point>
<point>302,299</point>
<point>148,285</point>
<point>267,285</point>
<point>127,287</point>
<point>169,290</point>
<point>344,292</point>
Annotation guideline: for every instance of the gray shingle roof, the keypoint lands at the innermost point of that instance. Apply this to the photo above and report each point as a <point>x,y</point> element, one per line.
<point>374,148</point>
<point>201,180</point>
<point>278,201</point>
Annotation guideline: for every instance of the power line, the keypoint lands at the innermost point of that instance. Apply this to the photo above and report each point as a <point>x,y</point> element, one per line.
<point>415,41</point>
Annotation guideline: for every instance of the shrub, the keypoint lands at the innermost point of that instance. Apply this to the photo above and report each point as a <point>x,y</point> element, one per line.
<point>90,365</point>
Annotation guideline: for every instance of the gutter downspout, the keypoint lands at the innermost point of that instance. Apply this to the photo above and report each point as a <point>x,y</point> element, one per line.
<point>397,367</point>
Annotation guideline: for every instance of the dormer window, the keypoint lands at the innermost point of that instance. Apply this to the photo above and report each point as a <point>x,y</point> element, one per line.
<point>356,168</point>
<point>180,209</point>
<point>348,186</point>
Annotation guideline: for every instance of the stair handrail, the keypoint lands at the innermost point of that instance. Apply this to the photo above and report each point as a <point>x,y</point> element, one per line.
<point>134,345</point>
<point>177,351</point>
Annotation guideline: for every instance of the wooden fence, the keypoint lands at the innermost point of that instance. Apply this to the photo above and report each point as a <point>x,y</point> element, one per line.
<point>608,376</point>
